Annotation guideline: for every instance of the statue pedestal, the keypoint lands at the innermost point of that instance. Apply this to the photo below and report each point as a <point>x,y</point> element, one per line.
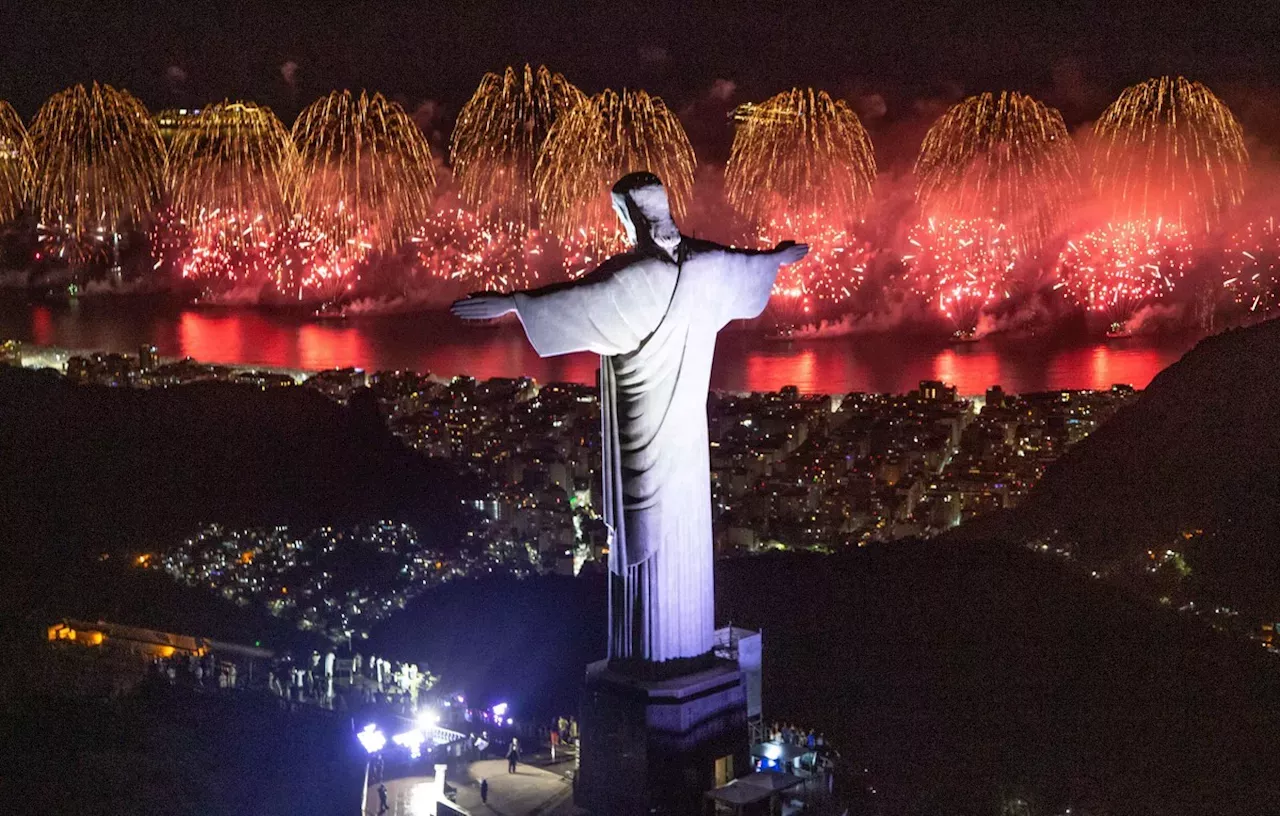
<point>656,746</point>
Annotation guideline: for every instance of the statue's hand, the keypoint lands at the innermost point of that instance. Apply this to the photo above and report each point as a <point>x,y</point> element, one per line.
<point>788,252</point>
<point>483,307</point>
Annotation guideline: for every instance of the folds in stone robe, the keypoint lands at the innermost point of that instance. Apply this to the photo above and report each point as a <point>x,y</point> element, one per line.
<point>654,324</point>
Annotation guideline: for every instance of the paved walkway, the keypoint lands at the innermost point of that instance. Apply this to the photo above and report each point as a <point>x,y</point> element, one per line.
<point>530,791</point>
<point>526,792</point>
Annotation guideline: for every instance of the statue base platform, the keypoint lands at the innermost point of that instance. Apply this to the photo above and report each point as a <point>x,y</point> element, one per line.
<point>656,746</point>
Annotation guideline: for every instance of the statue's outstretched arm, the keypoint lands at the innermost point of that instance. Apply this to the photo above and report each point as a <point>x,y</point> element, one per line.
<point>749,278</point>
<point>786,252</point>
<point>492,305</point>
<point>608,311</point>
<point>483,306</point>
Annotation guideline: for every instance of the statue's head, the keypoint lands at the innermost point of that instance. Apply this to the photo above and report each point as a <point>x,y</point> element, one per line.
<point>641,202</point>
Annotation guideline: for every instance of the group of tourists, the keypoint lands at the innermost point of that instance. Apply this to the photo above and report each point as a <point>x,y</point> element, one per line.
<point>201,671</point>
<point>318,678</point>
<point>790,735</point>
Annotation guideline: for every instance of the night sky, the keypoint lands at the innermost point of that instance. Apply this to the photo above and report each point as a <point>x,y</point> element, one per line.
<point>894,60</point>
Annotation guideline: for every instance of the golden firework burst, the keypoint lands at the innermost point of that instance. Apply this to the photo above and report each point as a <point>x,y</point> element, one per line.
<point>1005,157</point>
<point>98,159</point>
<point>234,162</point>
<point>365,173</point>
<point>800,154</point>
<point>597,142</point>
<point>15,162</point>
<point>1168,149</point>
<point>499,134</point>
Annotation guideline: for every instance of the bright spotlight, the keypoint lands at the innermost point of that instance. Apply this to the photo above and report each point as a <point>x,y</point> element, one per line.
<point>412,740</point>
<point>500,710</point>
<point>372,739</point>
<point>427,719</point>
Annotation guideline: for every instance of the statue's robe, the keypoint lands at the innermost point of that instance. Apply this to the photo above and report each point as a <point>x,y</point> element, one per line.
<point>654,324</point>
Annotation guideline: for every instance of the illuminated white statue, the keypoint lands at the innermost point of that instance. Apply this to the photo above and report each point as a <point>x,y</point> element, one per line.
<point>652,314</point>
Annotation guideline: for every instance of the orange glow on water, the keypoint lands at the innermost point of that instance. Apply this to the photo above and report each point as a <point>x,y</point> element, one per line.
<point>971,371</point>
<point>1133,366</point>
<point>321,346</point>
<point>210,338</point>
<point>743,362</point>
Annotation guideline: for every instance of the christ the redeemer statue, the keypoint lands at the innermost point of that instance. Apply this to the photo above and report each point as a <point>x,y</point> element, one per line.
<point>652,314</point>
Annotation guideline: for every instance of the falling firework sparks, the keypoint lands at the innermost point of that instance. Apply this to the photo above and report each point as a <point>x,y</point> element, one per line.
<point>1169,150</point>
<point>498,136</point>
<point>823,284</point>
<point>15,162</point>
<point>1251,265</point>
<point>597,142</point>
<point>802,166</point>
<point>800,154</point>
<point>1118,268</point>
<point>365,173</point>
<point>1006,158</point>
<point>231,171</point>
<point>962,266</point>
<point>304,262</point>
<point>458,245</point>
<point>233,161</point>
<point>99,162</point>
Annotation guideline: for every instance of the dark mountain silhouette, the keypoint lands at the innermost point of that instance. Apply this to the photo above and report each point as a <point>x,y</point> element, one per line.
<point>962,676</point>
<point>1197,454</point>
<point>90,470</point>
<point>967,675</point>
<point>105,468</point>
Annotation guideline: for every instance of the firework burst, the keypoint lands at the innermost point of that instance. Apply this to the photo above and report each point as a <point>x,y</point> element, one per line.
<point>597,142</point>
<point>1168,150</point>
<point>800,154</point>
<point>303,262</point>
<point>15,162</point>
<point>365,173</point>
<point>234,160</point>
<point>1002,157</point>
<point>99,163</point>
<point>1118,268</point>
<point>962,266</point>
<point>456,244</point>
<point>802,166</point>
<point>1251,265</point>
<point>498,136</point>
<point>231,171</point>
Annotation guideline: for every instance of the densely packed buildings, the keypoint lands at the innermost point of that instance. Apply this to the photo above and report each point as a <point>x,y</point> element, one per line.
<point>788,471</point>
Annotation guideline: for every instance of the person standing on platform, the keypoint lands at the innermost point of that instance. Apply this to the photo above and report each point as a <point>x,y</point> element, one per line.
<point>555,740</point>
<point>513,756</point>
<point>484,791</point>
<point>382,799</point>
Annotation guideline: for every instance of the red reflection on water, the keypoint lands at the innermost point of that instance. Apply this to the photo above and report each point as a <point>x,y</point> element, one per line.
<point>971,371</point>
<point>210,338</point>
<point>769,371</point>
<point>327,346</point>
<point>743,362</point>
<point>1131,366</point>
<point>42,326</point>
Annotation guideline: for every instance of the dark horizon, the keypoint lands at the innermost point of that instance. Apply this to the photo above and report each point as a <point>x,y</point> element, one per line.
<point>896,62</point>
